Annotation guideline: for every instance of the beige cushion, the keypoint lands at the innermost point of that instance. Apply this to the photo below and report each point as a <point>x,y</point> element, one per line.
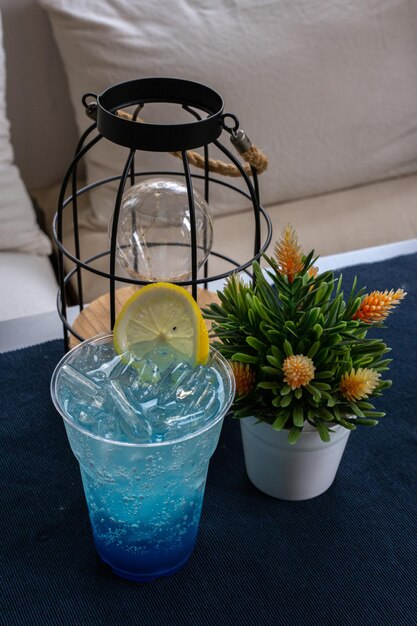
<point>28,285</point>
<point>327,90</point>
<point>19,231</point>
<point>352,219</point>
<point>347,220</point>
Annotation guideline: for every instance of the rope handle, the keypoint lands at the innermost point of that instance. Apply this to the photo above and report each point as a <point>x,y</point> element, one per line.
<point>252,155</point>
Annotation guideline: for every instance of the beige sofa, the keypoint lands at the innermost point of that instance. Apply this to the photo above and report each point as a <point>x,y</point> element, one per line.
<point>327,90</point>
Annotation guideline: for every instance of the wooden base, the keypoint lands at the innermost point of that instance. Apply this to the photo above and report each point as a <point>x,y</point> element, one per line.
<point>95,318</point>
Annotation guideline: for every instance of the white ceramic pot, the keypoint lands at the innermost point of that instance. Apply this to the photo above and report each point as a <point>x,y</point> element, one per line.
<point>291,472</point>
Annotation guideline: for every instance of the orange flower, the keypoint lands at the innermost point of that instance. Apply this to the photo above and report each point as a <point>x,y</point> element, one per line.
<point>298,370</point>
<point>244,377</point>
<point>357,385</point>
<point>376,306</point>
<point>288,253</point>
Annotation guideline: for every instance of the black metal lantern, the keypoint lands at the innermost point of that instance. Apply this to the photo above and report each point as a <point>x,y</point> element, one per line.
<point>113,122</point>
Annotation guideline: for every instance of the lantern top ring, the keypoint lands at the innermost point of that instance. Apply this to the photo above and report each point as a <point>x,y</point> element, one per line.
<point>160,137</point>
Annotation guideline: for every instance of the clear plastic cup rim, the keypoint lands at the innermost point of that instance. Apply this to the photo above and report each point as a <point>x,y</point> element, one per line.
<point>229,395</point>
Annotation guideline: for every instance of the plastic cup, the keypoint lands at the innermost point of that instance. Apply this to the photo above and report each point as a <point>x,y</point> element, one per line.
<point>144,499</point>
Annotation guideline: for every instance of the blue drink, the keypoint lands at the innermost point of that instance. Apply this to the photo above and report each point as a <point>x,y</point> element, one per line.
<point>143,433</point>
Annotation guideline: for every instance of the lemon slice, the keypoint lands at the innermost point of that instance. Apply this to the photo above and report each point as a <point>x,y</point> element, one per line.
<point>162,314</point>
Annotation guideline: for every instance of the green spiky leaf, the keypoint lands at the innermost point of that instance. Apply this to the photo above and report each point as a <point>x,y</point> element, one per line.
<point>263,322</point>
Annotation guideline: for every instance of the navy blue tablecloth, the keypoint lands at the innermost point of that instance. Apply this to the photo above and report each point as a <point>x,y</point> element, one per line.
<point>348,557</point>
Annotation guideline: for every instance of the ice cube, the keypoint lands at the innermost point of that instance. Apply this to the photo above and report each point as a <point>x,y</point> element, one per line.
<point>171,380</point>
<point>145,382</point>
<point>82,386</point>
<point>143,385</point>
<point>173,424</point>
<point>134,424</point>
<point>162,420</point>
<point>190,383</point>
<point>147,371</point>
<point>94,353</point>
<point>127,375</point>
<point>187,417</point>
<point>107,369</point>
<point>108,427</point>
<point>204,398</point>
<point>196,401</point>
<point>86,416</point>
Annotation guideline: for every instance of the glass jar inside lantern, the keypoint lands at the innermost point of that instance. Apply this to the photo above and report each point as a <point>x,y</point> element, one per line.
<point>154,230</point>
